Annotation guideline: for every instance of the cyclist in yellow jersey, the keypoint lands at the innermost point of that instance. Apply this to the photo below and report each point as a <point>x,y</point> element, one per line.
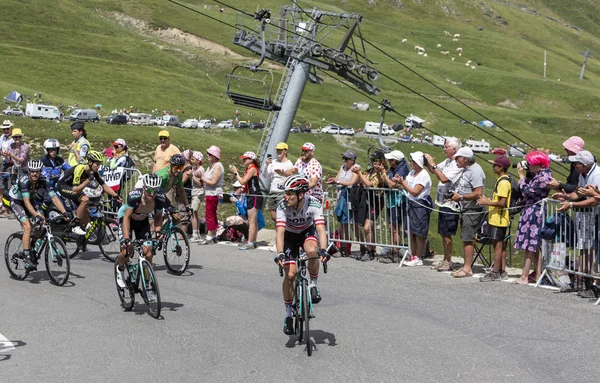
<point>79,149</point>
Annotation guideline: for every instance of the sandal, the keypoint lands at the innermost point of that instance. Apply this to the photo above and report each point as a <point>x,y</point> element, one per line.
<point>461,273</point>
<point>444,266</point>
<point>520,282</point>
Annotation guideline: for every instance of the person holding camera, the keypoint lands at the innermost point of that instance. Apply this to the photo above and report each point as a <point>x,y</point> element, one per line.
<point>448,173</point>
<point>572,146</point>
<point>534,175</point>
<point>468,190</point>
<point>273,174</point>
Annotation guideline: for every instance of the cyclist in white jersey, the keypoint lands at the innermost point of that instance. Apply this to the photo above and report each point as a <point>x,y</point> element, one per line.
<point>299,223</point>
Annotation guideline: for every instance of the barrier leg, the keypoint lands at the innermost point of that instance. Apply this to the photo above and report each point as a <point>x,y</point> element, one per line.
<point>544,273</point>
<point>403,258</point>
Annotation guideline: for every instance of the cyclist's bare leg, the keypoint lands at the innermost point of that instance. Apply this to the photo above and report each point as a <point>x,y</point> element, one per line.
<point>82,208</point>
<point>26,226</point>
<point>288,282</point>
<point>310,247</point>
<point>147,251</point>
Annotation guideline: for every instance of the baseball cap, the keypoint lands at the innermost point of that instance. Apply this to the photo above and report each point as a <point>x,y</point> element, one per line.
<point>250,155</point>
<point>377,155</point>
<point>501,160</point>
<point>574,144</point>
<point>17,132</point>
<point>164,133</point>
<point>583,156</point>
<point>417,157</point>
<point>281,146</point>
<point>464,152</point>
<point>395,155</point>
<point>78,125</point>
<point>350,154</point>
<point>237,184</point>
<point>7,124</point>
<point>308,146</point>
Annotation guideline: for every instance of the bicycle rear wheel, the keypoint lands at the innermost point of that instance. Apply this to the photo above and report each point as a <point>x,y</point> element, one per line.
<point>306,315</point>
<point>126,295</point>
<point>109,244</point>
<point>149,289</point>
<point>176,251</point>
<point>13,256</point>
<point>57,261</point>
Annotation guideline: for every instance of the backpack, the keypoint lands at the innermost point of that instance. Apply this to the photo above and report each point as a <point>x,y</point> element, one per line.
<point>129,162</point>
<point>559,228</point>
<point>516,197</point>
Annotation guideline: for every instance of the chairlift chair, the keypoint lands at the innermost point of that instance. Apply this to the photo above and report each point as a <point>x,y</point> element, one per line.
<point>262,78</point>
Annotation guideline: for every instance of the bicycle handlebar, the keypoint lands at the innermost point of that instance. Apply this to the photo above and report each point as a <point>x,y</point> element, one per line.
<point>304,259</point>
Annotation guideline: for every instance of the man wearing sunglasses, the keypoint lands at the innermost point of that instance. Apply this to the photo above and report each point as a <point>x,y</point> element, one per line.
<point>164,151</point>
<point>172,180</point>
<point>133,218</point>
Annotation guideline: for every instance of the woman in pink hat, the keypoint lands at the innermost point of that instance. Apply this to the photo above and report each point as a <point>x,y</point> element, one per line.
<point>572,146</point>
<point>251,184</point>
<point>213,187</point>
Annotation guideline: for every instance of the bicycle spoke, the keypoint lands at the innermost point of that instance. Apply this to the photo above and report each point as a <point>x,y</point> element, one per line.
<point>13,256</point>
<point>57,261</point>
<point>176,251</point>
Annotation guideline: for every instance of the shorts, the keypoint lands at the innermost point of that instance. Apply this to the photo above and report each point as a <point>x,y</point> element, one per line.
<point>67,192</point>
<point>140,228</point>
<point>274,199</point>
<point>586,228</point>
<point>196,202</point>
<point>469,224</point>
<point>254,202</point>
<point>18,209</point>
<point>447,222</point>
<point>497,233</point>
<point>418,219</point>
<point>396,216</point>
<point>293,241</point>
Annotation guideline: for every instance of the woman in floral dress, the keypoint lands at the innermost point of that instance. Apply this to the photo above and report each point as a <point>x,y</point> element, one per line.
<point>533,185</point>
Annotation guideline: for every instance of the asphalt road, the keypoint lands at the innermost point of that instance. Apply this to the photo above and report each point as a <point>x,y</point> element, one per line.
<point>222,322</point>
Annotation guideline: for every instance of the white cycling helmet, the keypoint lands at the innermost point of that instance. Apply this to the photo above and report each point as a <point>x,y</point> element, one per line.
<point>296,183</point>
<point>51,143</point>
<point>151,181</point>
<point>35,165</point>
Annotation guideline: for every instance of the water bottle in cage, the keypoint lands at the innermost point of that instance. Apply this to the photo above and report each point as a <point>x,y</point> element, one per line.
<point>133,272</point>
<point>36,248</point>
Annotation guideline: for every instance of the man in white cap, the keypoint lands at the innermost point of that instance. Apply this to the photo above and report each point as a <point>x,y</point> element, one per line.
<point>308,166</point>
<point>448,173</point>
<point>469,189</point>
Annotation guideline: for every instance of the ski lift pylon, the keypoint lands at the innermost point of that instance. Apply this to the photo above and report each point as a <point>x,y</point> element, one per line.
<point>260,77</point>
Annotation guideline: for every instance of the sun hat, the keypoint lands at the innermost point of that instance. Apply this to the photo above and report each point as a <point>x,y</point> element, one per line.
<point>464,152</point>
<point>350,154</point>
<point>501,160</point>
<point>214,151</point>
<point>120,141</point>
<point>250,155</point>
<point>7,124</point>
<point>308,146</point>
<point>164,133</point>
<point>574,144</point>
<point>583,156</point>
<point>281,146</point>
<point>417,157</point>
<point>198,156</point>
<point>17,132</point>
<point>395,155</point>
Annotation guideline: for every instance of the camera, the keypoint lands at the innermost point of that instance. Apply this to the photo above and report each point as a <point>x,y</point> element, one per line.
<point>449,194</point>
<point>425,163</point>
<point>523,163</point>
<point>269,156</point>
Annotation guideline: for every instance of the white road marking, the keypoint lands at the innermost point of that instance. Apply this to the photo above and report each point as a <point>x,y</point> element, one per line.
<point>5,344</point>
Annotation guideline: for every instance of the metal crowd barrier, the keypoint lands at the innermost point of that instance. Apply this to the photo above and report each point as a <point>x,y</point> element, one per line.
<point>121,180</point>
<point>569,243</point>
<point>345,209</point>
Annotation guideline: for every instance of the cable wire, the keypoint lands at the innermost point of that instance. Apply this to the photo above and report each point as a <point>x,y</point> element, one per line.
<point>201,13</point>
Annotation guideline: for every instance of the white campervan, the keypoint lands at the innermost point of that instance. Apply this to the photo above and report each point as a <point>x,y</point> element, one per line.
<point>373,128</point>
<point>42,111</point>
<point>478,146</point>
<point>439,140</point>
<point>139,119</point>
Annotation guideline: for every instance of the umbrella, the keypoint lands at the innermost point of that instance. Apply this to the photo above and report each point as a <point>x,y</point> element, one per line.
<point>98,105</point>
<point>487,124</point>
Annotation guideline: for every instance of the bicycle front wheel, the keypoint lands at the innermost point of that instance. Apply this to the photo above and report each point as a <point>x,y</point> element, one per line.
<point>176,251</point>
<point>126,295</point>
<point>306,315</point>
<point>149,289</point>
<point>57,260</point>
<point>13,256</point>
<point>109,245</point>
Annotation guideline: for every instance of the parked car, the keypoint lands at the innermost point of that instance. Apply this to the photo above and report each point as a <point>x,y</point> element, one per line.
<point>168,120</point>
<point>331,129</point>
<point>13,112</point>
<point>348,131</point>
<point>117,119</point>
<point>190,123</point>
<point>294,130</point>
<point>257,125</point>
<point>155,121</point>
<point>499,151</point>
<point>204,124</point>
<point>243,125</point>
<point>397,126</point>
<point>225,124</point>
<point>305,129</point>
<point>84,115</point>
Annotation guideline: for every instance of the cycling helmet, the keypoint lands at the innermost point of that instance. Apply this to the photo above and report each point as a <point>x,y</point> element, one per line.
<point>177,160</point>
<point>151,181</point>
<point>51,144</point>
<point>296,183</point>
<point>95,156</point>
<point>35,165</point>
<point>120,141</point>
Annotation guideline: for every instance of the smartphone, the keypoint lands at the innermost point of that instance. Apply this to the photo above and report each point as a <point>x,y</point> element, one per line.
<point>269,156</point>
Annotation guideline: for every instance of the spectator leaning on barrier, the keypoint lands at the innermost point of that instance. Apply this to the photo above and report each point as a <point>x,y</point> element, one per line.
<point>395,203</point>
<point>583,197</point>
<point>308,166</point>
<point>273,175</point>
<point>254,201</point>
<point>418,186</point>
<point>572,146</point>
<point>213,187</point>
<point>17,152</point>
<point>346,179</point>
<point>498,217</point>
<point>372,203</point>
<point>533,183</point>
<point>5,141</point>
<point>164,151</point>
<point>80,147</point>
<point>448,173</point>
<point>468,190</point>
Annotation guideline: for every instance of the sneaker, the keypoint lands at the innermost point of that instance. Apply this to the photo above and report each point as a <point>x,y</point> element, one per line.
<point>314,295</point>
<point>30,264</point>
<point>120,277</point>
<point>78,230</point>
<point>363,251</point>
<point>207,241</point>
<point>503,275</point>
<point>587,294</point>
<point>366,257</point>
<point>247,246</point>
<point>150,295</point>
<point>288,326</point>
<point>491,277</point>
<point>194,238</point>
<point>414,261</point>
<point>389,259</point>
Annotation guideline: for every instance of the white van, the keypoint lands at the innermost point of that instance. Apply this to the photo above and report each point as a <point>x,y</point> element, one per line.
<point>373,128</point>
<point>439,140</point>
<point>478,146</point>
<point>42,111</point>
<point>84,115</point>
<point>204,124</point>
<point>139,119</point>
<point>170,121</point>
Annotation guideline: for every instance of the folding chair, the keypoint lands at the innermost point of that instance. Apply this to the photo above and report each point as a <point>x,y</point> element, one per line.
<point>483,242</point>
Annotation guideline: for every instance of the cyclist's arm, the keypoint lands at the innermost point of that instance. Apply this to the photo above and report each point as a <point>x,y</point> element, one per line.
<point>126,222</point>
<point>109,191</point>
<point>182,196</point>
<point>322,233</point>
<point>28,205</point>
<point>280,233</point>
<point>79,188</point>
<point>158,219</point>
<point>58,203</point>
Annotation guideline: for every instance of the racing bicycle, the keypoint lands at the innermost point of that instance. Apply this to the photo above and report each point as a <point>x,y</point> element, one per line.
<point>174,244</point>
